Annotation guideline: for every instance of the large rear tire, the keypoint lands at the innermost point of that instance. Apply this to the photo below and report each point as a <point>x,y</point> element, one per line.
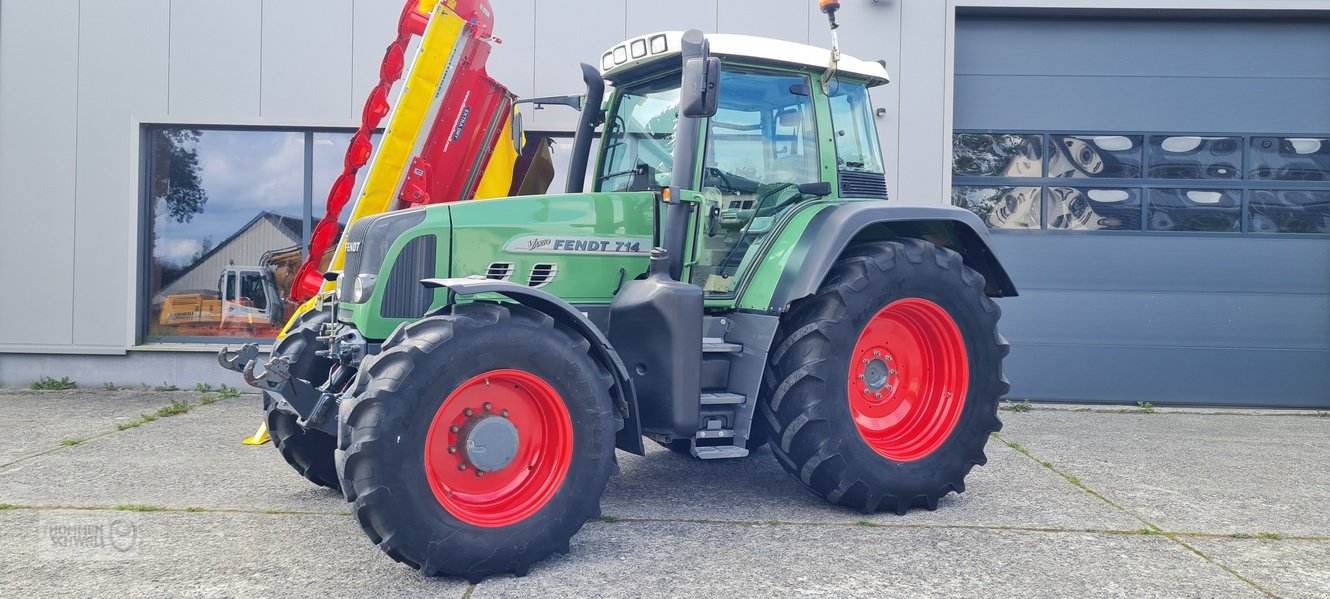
<point>883,387</point>
<point>481,443</point>
<point>309,452</point>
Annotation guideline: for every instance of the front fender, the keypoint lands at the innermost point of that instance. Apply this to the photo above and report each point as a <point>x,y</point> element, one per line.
<point>833,229</point>
<point>630,438</point>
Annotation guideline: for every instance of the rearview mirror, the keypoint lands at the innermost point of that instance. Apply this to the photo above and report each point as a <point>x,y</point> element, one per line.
<point>820,189</point>
<point>701,87</point>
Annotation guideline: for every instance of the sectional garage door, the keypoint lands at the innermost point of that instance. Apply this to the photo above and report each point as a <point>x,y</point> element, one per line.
<point>1160,191</point>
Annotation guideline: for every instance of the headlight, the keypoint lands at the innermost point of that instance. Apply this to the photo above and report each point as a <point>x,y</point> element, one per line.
<point>362,288</point>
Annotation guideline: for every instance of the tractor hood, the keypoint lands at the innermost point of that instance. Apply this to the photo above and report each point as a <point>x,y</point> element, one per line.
<point>580,247</point>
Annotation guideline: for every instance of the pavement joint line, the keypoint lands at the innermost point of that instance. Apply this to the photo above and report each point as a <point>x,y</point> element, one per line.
<point>976,527</point>
<point>1129,410</point>
<point>120,428</point>
<point>702,521</point>
<point>1158,530</point>
<point>170,510</point>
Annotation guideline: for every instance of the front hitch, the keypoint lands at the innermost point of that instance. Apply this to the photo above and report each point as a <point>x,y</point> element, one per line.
<point>237,361</point>
<point>276,374</point>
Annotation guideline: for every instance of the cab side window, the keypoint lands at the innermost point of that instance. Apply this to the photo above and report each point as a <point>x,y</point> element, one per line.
<point>761,145</point>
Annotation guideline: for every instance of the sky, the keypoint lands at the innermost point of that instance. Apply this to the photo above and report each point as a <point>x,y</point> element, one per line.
<point>245,173</point>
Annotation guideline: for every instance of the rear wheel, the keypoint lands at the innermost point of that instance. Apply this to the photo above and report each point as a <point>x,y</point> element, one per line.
<point>883,387</point>
<point>309,452</point>
<point>482,441</point>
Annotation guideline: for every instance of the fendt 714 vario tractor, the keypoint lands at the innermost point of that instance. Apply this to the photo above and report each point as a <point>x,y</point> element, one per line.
<point>734,278</point>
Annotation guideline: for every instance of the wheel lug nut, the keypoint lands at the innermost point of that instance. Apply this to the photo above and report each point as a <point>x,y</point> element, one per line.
<point>877,352</point>
<point>454,428</point>
<point>504,413</point>
<point>861,377</point>
<point>891,372</point>
<point>878,394</point>
<point>461,466</point>
<point>452,449</point>
<point>466,412</point>
<point>487,406</point>
<point>480,473</point>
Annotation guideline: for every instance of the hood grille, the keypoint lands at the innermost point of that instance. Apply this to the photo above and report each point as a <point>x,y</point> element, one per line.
<point>542,275</point>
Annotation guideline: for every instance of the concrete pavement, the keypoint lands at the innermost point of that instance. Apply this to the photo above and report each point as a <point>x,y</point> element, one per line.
<point>1072,502</point>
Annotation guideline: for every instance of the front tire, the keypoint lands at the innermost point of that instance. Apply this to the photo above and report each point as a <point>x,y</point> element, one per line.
<point>482,442</point>
<point>883,388</point>
<point>309,452</point>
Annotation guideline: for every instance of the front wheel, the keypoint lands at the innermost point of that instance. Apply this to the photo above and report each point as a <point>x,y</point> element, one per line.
<point>482,441</point>
<point>308,451</point>
<point>883,388</point>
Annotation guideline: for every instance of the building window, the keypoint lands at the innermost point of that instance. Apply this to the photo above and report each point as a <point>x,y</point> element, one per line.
<point>227,215</point>
<point>1199,183</point>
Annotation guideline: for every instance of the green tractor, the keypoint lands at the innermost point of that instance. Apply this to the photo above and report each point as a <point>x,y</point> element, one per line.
<point>735,278</point>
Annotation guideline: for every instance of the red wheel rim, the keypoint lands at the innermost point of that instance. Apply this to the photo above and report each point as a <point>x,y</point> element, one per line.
<point>544,448</point>
<point>908,378</point>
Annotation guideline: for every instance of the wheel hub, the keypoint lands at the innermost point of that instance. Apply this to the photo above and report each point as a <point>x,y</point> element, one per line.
<point>489,442</point>
<point>498,448</point>
<point>908,379</point>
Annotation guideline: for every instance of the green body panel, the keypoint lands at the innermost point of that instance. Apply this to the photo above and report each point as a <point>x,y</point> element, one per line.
<point>596,240</point>
<point>766,265</point>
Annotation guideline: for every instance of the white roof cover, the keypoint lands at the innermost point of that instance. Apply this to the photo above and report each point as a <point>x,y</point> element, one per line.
<point>652,47</point>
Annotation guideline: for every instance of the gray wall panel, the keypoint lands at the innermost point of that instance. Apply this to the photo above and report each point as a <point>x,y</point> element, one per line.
<point>1130,48</point>
<point>39,112</point>
<point>122,75</point>
<point>215,58</point>
<point>1201,263</point>
<point>923,85</point>
<point>1170,319</point>
<point>1290,379</point>
<point>306,70</point>
<point>781,19</point>
<point>558,52</point>
<point>1175,104</point>
<point>373,27</point>
<point>647,16</point>
<point>512,62</point>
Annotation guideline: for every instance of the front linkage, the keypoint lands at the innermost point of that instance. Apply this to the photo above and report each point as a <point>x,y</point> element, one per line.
<point>310,403</point>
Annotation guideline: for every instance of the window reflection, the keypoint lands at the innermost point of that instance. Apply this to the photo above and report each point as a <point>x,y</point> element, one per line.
<point>1289,211</point>
<point>1085,209</point>
<point>1095,156</point>
<point>1195,157</point>
<point>226,223</point>
<point>997,155</point>
<point>1215,210</point>
<point>1290,158</point>
<point>1000,207</point>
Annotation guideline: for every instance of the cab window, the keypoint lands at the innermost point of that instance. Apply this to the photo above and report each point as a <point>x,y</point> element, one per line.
<point>760,146</point>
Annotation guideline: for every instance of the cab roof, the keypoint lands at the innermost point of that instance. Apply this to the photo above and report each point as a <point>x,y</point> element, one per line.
<point>625,58</point>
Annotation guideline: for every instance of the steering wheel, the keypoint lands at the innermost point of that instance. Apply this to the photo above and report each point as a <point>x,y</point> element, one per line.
<point>712,171</point>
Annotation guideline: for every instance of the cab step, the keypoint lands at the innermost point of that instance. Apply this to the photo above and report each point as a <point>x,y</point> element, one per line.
<point>718,452</point>
<point>717,345</point>
<point>722,399</point>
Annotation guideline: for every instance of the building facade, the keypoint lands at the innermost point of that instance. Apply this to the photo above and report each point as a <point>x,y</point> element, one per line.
<point>1156,173</point>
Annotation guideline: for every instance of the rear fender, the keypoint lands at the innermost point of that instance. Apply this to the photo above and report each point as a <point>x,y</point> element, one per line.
<point>630,438</point>
<point>831,231</point>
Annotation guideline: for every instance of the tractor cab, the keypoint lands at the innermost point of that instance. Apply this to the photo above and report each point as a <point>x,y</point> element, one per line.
<point>785,130</point>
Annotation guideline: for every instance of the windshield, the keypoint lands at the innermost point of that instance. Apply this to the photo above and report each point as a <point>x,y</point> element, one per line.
<point>856,137</point>
<point>640,141</point>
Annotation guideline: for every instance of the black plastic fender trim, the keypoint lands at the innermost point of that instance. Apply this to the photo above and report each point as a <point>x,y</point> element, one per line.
<point>630,438</point>
<point>832,231</point>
